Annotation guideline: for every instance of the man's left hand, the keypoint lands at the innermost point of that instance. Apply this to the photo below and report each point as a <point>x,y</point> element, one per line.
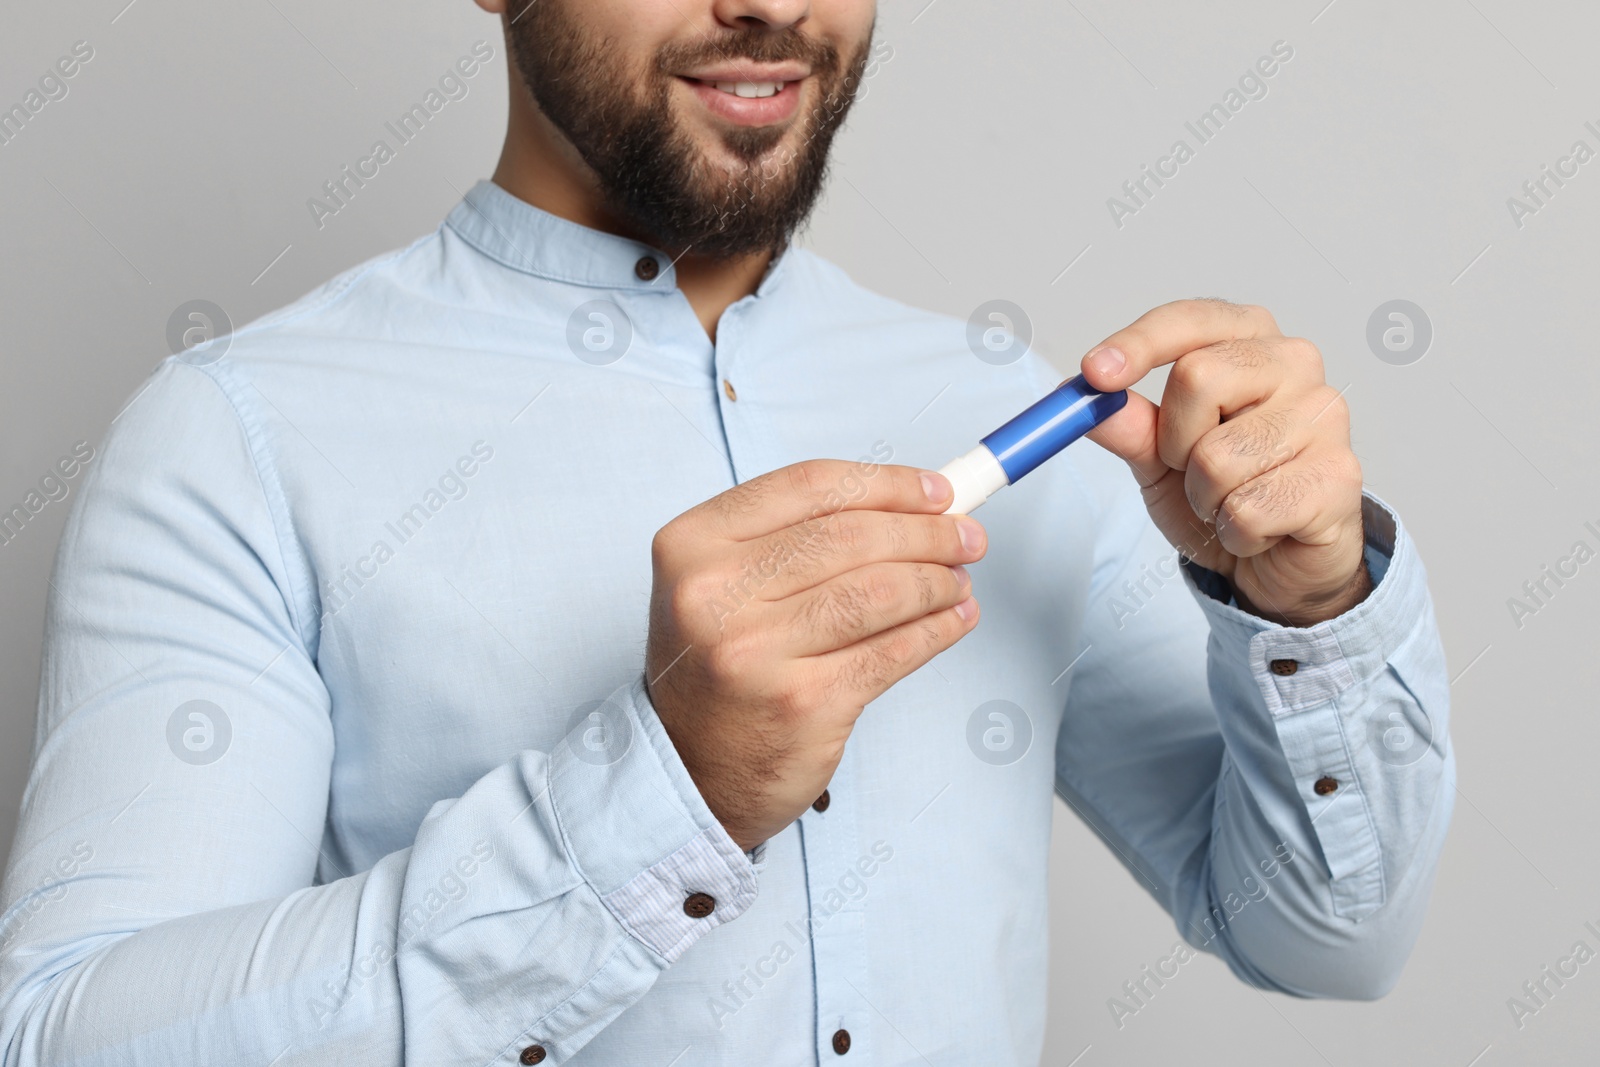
<point>1246,465</point>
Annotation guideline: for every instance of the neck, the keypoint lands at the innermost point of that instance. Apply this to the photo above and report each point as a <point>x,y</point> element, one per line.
<point>541,166</point>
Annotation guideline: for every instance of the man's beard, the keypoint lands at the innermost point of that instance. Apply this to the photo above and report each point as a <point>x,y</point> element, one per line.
<point>651,173</point>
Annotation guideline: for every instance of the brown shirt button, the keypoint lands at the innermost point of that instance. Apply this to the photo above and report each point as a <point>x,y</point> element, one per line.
<point>727,389</point>
<point>1285,667</point>
<point>1325,785</point>
<point>647,268</point>
<point>699,905</point>
<point>821,803</point>
<point>531,1055</point>
<point>841,1041</point>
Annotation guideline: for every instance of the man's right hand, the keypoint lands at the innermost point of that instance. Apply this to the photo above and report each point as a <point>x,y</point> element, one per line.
<point>781,607</point>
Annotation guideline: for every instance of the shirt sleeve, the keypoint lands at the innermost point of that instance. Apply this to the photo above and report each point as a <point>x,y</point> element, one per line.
<point>1282,792</point>
<point>161,903</point>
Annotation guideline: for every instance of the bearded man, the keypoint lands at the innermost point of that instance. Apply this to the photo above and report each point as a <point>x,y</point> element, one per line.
<point>552,642</point>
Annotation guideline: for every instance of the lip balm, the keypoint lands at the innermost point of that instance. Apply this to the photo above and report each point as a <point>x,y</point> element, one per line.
<point>1068,412</point>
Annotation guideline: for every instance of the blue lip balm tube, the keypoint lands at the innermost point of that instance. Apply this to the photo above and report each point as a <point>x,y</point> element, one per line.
<point>1071,410</point>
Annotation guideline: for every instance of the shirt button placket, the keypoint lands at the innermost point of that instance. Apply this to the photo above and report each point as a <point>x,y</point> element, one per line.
<point>834,856</point>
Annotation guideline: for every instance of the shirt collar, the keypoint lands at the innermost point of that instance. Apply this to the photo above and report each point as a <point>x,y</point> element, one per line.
<point>523,237</point>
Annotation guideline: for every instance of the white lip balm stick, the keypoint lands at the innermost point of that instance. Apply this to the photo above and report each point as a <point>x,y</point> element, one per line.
<point>1071,410</point>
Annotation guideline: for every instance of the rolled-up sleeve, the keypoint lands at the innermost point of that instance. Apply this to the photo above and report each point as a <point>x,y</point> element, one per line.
<point>1283,792</point>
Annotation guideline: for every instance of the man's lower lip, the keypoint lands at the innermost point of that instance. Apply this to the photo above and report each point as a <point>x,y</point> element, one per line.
<point>747,110</point>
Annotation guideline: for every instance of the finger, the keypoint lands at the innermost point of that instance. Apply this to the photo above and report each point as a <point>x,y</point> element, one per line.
<point>1131,434</point>
<point>864,671</point>
<point>814,488</point>
<point>867,601</point>
<point>1310,499</point>
<point>810,553</point>
<point>1161,335</point>
<point>1209,386</point>
<point>1242,449</point>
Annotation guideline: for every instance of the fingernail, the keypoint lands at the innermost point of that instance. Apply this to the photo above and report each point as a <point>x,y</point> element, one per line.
<point>962,577</point>
<point>1107,361</point>
<point>971,534</point>
<point>935,486</point>
<point>967,609</point>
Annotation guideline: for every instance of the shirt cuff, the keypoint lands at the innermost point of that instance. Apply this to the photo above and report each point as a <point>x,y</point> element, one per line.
<point>1350,700</point>
<point>1334,655</point>
<point>638,830</point>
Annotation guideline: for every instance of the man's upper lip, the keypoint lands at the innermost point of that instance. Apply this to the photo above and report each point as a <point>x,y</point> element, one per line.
<point>751,72</point>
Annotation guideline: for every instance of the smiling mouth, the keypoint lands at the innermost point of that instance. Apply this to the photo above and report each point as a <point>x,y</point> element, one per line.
<point>747,102</point>
<point>747,90</point>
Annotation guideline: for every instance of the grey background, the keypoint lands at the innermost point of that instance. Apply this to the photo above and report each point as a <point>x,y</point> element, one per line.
<point>978,167</point>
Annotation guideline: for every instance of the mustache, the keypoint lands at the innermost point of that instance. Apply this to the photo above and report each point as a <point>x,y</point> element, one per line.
<point>751,43</point>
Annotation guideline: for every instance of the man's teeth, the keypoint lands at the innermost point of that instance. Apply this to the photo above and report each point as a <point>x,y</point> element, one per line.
<point>750,89</point>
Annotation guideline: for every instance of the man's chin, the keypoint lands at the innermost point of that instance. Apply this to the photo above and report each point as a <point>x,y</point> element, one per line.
<point>743,151</point>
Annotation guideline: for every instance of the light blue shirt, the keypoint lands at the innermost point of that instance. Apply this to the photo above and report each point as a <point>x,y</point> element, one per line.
<point>344,753</point>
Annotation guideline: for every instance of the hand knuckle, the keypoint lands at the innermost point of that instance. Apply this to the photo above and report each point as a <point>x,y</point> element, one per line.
<point>839,612</point>
<point>1212,454</point>
<point>855,674</point>
<point>1348,472</point>
<point>664,545</point>
<point>847,534</point>
<point>891,654</point>
<point>1240,353</point>
<point>1302,352</point>
<point>799,562</point>
<point>729,660</point>
<point>808,478</point>
<point>1243,519</point>
<point>896,534</point>
<point>879,588</point>
<point>878,664</point>
<point>846,683</point>
<point>1262,318</point>
<point>1275,493</point>
<point>742,499</point>
<point>1194,373</point>
<point>1194,492</point>
<point>791,701</point>
<point>689,595</point>
<point>1332,405</point>
<point>1198,310</point>
<point>1265,437</point>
